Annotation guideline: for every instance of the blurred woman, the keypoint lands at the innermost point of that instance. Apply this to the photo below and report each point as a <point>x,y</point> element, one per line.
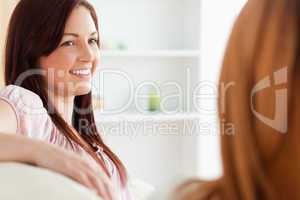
<point>261,156</point>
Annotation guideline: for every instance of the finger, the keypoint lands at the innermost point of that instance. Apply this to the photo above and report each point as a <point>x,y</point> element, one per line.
<point>99,179</point>
<point>99,172</point>
<point>100,184</point>
<point>107,183</point>
<point>84,180</point>
<point>88,169</point>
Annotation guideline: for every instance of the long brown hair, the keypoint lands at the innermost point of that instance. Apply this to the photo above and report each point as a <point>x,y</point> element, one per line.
<point>264,41</point>
<point>36,29</point>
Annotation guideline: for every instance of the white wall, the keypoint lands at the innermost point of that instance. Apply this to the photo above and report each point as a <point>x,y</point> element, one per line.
<point>217,18</point>
<point>6,8</point>
<point>165,25</point>
<point>137,25</point>
<point>153,149</point>
<point>158,159</point>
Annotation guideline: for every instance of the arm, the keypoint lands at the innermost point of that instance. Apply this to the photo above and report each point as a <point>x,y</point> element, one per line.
<point>18,148</point>
<point>13,147</point>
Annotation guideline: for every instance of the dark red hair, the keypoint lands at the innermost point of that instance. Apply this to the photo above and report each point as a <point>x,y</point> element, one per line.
<point>257,159</point>
<point>35,30</point>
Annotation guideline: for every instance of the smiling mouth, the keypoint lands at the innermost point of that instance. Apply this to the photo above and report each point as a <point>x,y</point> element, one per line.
<point>81,72</point>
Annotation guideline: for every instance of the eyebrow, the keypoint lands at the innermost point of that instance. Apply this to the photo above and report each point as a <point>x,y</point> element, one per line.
<point>76,35</point>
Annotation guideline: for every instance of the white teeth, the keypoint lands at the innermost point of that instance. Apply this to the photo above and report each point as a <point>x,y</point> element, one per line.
<point>81,72</point>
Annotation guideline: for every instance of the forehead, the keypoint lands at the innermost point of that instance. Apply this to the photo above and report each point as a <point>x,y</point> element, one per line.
<point>80,21</point>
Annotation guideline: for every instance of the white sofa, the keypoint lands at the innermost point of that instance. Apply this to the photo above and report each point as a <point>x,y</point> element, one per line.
<point>25,182</point>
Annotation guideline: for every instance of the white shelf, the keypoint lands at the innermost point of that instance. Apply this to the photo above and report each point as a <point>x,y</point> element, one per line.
<point>139,117</point>
<point>153,53</point>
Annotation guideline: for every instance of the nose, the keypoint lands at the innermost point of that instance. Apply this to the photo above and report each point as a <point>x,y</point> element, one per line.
<point>86,53</point>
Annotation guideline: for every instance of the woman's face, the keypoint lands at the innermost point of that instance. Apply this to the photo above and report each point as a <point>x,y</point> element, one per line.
<point>70,66</point>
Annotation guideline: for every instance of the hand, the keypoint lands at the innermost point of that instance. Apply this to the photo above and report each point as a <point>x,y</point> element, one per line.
<point>74,166</point>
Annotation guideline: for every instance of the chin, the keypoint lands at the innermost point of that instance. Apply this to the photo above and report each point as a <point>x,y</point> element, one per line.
<point>82,90</point>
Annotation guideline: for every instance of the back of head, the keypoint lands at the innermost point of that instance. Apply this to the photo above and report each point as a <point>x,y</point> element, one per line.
<point>258,101</point>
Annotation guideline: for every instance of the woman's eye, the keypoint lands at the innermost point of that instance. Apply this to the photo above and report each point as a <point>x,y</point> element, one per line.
<point>68,43</point>
<point>93,41</point>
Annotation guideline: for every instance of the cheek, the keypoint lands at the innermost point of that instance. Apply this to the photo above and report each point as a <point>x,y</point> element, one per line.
<point>96,62</point>
<point>59,61</point>
<point>57,66</point>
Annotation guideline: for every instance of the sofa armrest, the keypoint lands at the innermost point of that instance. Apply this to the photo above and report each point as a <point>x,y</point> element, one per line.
<point>20,181</point>
<point>140,189</point>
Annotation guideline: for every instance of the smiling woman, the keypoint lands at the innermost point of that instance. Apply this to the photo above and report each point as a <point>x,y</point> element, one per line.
<point>51,53</point>
<point>73,62</point>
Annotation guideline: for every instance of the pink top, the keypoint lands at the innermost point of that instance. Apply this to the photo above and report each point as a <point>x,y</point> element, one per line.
<point>33,121</point>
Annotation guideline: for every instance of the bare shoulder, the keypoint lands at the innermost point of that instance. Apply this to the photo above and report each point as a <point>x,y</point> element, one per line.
<point>8,118</point>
